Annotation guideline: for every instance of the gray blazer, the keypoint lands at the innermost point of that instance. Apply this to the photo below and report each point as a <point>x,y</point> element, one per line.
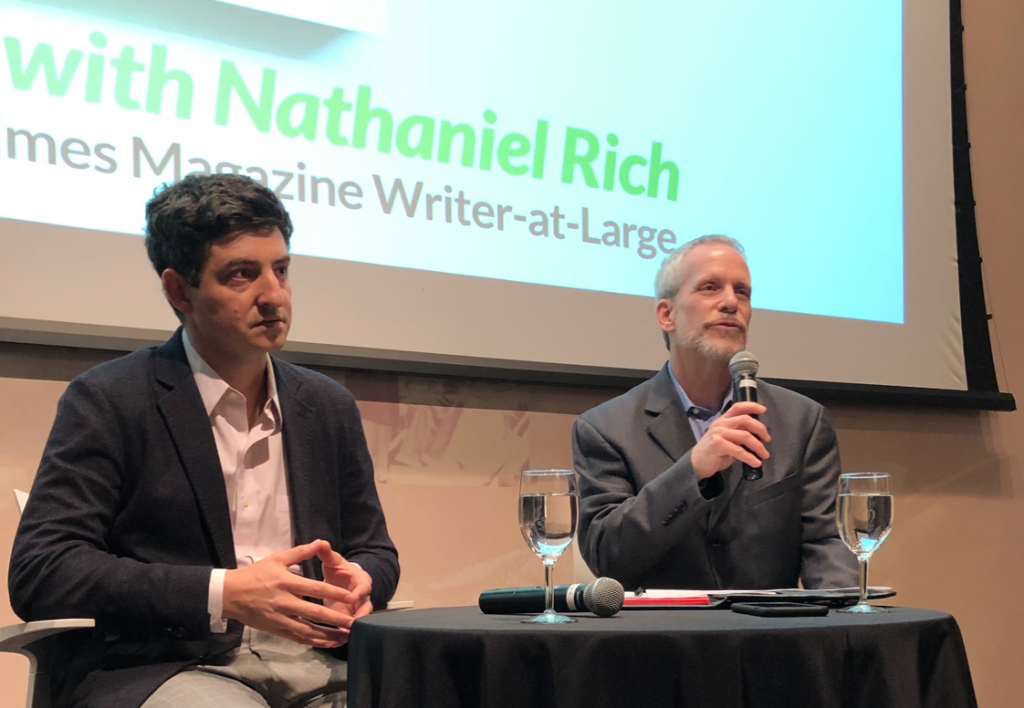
<point>128,514</point>
<point>645,522</point>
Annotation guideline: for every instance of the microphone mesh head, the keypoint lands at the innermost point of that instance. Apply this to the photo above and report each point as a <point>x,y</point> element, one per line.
<point>743,363</point>
<point>604,597</point>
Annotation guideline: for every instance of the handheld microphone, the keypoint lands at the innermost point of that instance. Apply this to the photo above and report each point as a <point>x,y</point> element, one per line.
<point>603,597</point>
<point>743,369</point>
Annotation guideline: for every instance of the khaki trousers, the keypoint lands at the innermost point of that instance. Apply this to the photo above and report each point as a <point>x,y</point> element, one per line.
<point>265,671</point>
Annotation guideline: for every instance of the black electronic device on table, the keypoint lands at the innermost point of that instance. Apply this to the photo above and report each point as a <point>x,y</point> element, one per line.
<point>779,609</point>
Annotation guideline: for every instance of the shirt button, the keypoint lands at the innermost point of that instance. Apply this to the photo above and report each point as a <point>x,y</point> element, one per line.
<point>245,503</point>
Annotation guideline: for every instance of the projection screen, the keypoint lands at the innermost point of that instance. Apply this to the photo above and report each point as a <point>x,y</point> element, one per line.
<point>495,185</point>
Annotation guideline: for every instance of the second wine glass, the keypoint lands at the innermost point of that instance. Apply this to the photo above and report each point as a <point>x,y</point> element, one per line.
<point>864,518</point>
<point>548,513</point>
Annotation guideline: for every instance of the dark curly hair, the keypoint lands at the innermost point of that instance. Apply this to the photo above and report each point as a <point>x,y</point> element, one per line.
<point>183,219</point>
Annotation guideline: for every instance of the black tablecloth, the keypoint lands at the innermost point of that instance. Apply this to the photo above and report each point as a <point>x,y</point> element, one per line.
<point>693,658</point>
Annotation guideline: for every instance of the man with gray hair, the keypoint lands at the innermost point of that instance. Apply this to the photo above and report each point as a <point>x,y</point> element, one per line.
<point>663,503</point>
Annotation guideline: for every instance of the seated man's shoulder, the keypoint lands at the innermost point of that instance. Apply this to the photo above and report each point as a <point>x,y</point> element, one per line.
<point>794,404</point>
<point>122,374</point>
<point>314,386</point>
<point>623,407</point>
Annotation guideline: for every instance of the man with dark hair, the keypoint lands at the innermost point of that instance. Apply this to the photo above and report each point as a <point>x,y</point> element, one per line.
<point>181,222</point>
<point>663,503</point>
<point>212,507</point>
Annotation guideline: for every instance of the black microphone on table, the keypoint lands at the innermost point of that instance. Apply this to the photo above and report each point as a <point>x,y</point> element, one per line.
<point>743,369</point>
<point>603,597</point>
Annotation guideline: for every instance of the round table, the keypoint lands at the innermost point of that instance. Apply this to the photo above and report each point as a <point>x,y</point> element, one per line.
<point>694,658</point>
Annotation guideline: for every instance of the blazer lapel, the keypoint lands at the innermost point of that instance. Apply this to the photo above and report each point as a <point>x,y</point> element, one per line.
<point>189,426</point>
<point>301,454</point>
<point>667,423</point>
<point>669,427</point>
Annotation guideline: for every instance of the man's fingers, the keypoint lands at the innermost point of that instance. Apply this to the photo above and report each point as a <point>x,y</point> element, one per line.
<point>298,629</point>
<point>330,557</point>
<point>743,422</point>
<point>362,588</point>
<point>734,436</point>
<point>298,554</point>
<point>359,582</point>
<point>744,440</point>
<point>320,614</point>
<point>740,453</point>
<point>327,637</point>
<point>308,587</point>
<point>364,609</point>
<point>305,632</point>
<point>353,611</point>
<point>339,572</point>
<point>744,408</point>
<point>338,616</point>
<point>755,427</point>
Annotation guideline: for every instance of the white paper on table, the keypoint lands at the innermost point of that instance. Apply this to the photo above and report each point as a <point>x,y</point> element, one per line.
<point>665,594</point>
<point>717,594</point>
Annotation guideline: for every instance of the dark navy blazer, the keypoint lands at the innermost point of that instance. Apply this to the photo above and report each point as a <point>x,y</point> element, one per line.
<point>128,513</point>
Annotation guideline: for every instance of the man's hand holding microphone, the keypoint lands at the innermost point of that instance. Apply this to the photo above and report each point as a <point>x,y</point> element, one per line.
<point>736,435</point>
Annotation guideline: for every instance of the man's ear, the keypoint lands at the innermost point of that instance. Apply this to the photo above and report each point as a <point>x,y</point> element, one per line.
<point>177,290</point>
<point>665,312</point>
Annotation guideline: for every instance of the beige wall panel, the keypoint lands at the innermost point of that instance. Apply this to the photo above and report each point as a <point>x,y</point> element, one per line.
<point>984,571</point>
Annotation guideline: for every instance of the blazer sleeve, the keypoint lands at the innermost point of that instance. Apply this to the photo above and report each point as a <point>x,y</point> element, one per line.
<point>61,564</point>
<point>364,534</point>
<point>623,531</point>
<point>826,562</point>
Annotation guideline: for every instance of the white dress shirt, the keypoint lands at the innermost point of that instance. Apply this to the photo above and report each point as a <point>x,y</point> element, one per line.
<point>252,460</point>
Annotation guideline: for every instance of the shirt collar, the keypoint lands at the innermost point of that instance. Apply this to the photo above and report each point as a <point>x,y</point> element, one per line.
<point>688,404</point>
<point>212,388</point>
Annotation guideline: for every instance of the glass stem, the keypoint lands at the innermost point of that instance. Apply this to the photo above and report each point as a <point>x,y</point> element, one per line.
<point>862,566</point>
<point>549,585</point>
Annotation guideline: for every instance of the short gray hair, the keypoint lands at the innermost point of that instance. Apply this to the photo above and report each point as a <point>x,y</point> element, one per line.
<point>670,277</point>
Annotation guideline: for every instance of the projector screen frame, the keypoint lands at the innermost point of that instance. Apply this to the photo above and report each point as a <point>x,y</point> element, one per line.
<point>982,386</point>
<point>978,360</point>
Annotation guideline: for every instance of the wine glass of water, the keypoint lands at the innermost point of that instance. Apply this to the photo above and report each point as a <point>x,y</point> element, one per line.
<point>864,517</point>
<point>548,511</point>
